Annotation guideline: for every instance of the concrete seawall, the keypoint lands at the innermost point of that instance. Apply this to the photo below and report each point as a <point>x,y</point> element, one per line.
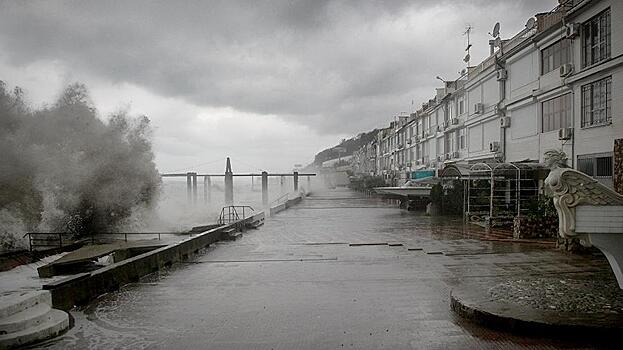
<point>82,288</point>
<point>285,205</point>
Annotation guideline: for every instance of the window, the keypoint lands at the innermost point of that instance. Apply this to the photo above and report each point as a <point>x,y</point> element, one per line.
<point>598,166</point>
<point>556,113</point>
<point>462,138</point>
<point>597,102</point>
<point>554,56</point>
<point>461,110</point>
<point>596,39</point>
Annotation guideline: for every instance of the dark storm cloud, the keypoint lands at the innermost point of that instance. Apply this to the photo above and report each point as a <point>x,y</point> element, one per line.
<point>332,65</point>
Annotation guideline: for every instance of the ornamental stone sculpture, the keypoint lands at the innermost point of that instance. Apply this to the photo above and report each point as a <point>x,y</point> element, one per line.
<point>589,211</point>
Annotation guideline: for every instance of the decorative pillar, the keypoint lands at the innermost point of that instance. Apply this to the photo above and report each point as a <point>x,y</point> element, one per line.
<point>229,184</point>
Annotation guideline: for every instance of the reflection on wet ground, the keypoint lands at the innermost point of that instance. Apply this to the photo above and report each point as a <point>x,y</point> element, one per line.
<point>337,271</point>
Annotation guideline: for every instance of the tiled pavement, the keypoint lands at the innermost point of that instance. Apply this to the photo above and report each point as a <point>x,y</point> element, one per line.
<point>338,271</point>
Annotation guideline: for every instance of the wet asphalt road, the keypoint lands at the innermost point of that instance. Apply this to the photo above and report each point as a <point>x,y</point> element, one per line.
<point>338,271</point>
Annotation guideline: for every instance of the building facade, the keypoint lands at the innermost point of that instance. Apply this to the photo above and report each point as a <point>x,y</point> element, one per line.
<point>556,85</point>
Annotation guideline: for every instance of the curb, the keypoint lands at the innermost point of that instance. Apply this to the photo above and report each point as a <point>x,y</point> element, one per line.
<point>524,320</point>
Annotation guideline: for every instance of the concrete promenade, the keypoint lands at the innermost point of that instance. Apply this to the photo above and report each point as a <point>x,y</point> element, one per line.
<point>337,271</point>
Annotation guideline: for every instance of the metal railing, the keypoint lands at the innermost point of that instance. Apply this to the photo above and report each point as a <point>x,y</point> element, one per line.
<point>231,213</point>
<point>54,240</point>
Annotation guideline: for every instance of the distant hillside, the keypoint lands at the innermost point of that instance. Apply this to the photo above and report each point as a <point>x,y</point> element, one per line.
<point>350,145</point>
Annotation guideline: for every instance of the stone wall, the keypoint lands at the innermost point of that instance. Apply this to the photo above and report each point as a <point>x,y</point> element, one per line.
<point>618,166</point>
<point>535,227</point>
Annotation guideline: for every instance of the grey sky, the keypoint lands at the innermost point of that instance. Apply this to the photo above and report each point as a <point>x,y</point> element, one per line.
<point>248,78</point>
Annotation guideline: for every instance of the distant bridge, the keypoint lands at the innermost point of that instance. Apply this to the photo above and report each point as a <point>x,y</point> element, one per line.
<point>191,183</point>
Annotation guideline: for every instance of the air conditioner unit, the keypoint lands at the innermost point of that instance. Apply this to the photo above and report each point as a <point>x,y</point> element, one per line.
<point>455,121</point>
<point>479,108</point>
<point>456,154</point>
<point>566,69</point>
<point>572,30</point>
<point>502,74</point>
<point>565,133</point>
<point>505,122</point>
<point>494,146</point>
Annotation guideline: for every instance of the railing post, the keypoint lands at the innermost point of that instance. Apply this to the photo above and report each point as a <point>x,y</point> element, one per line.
<point>296,181</point>
<point>189,188</point>
<point>194,188</point>
<point>264,189</point>
<point>282,183</point>
<point>207,189</point>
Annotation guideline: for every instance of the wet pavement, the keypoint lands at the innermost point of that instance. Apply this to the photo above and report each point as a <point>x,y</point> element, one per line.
<point>338,271</point>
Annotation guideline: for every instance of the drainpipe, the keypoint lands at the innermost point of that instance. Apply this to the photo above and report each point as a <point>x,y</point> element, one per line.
<point>502,112</point>
<point>503,137</point>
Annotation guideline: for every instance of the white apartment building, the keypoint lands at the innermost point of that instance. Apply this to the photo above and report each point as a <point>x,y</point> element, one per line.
<point>555,85</point>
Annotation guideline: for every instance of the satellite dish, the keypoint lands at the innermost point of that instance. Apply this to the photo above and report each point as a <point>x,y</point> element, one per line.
<point>497,42</point>
<point>496,30</point>
<point>466,59</point>
<point>530,24</point>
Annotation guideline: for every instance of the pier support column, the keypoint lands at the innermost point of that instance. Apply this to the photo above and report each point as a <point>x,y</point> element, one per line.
<point>309,184</point>
<point>265,189</point>
<point>229,184</point>
<point>194,188</point>
<point>283,183</point>
<point>296,181</point>
<point>207,190</point>
<point>189,187</point>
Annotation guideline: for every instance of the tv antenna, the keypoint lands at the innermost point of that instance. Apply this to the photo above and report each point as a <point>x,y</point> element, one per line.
<point>467,32</point>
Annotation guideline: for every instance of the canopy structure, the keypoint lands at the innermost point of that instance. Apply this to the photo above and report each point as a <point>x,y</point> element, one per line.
<point>495,193</point>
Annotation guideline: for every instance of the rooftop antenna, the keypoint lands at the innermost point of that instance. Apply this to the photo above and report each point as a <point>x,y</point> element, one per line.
<point>496,30</point>
<point>468,30</point>
<point>497,41</point>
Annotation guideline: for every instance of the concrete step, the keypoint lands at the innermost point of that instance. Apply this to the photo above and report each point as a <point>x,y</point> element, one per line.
<point>18,302</point>
<point>31,317</point>
<point>55,323</point>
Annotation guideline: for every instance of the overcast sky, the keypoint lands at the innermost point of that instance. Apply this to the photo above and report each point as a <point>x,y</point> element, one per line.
<point>269,83</point>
